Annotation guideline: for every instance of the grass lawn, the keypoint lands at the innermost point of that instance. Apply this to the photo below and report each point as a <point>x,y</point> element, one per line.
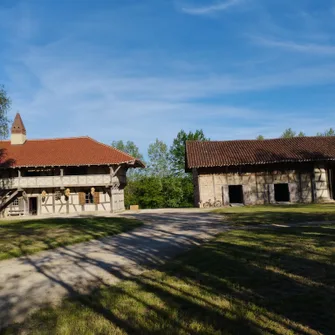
<point>270,214</point>
<point>22,237</point>
<point>264,281</point>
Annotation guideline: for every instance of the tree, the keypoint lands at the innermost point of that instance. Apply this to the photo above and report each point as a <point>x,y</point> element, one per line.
<point>130,148</point>
<point>148,192</point>
<point>172,191</point>
<point>288,133</point>
<point>260,137</point>
<point>301,134</point>
<point>177,150</point>
<point>328,132</point>
<point>5,104</point>
<point>158,159</point>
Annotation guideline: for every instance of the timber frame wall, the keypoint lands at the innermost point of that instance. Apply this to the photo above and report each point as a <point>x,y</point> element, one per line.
<point>307,183</point>
<point>47,190</point>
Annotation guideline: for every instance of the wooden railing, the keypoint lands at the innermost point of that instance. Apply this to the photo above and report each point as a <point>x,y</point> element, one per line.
<point>61,181</point>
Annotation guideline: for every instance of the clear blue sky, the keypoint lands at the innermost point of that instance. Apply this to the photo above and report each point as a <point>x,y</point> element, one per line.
<point>144,69</point>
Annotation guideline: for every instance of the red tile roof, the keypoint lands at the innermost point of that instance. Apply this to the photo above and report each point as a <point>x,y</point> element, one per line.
<point>64,152</point>
<point>244,152</point>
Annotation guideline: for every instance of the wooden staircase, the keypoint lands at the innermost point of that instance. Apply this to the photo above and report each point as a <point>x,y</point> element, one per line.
<point>8,198</point>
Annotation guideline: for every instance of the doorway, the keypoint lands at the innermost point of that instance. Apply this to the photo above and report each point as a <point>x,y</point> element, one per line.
<point>33,206</point>
<point>331,183</point>
<point>236,194</point>
<point>282,193</point>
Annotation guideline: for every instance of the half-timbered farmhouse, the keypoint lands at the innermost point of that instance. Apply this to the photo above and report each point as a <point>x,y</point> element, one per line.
<point>61,175</point>
<point>292,170</point>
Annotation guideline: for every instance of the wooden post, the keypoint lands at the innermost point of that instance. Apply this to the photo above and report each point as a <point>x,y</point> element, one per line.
<point>112,200</point>
<point>53,202</point>
<point>19,175</point>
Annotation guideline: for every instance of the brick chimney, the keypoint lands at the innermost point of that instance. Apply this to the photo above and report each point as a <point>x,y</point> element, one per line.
<point>18,134</point>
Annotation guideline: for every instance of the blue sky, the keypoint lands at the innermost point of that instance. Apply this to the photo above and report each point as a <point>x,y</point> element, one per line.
<point>144,69</point>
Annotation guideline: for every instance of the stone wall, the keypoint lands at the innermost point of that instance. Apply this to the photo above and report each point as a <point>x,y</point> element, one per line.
<point>259,186</point>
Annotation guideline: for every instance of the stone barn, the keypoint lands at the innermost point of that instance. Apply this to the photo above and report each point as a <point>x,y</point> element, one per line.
<point>250,172</point>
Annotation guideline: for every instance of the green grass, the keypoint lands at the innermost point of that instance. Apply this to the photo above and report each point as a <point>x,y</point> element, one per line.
<point>277,214</point>
<point>263,281</point>
<point>23,237</point>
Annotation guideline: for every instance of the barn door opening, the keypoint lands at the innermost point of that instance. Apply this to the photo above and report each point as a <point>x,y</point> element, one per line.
<point>236,194</point>
<point>33,206</point>
<point>282,193</point>
<point>331,182</point>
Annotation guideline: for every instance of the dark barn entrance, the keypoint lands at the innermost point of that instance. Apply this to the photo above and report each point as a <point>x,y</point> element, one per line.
<point>236,194</point>
<point>33,206</point>
<point>282,193</point>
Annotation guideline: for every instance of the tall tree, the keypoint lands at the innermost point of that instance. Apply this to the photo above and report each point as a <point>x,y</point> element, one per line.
<point>129,147</point>
<point>260,137</point>
<point>177,150</point>
<point>5,104</point>
<point>288,133</point>
<point>301,134</point>
<point>328,132</point>
<point>158,159</point>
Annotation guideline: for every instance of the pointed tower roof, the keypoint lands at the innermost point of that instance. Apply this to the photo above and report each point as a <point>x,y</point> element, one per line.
<point>18,126</point>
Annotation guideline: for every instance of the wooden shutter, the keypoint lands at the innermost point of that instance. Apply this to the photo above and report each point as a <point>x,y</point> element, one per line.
<point>96,198</point>
<point>82,200</point>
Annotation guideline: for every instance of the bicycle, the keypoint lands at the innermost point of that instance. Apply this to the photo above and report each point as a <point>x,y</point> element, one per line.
<point>210,203</point>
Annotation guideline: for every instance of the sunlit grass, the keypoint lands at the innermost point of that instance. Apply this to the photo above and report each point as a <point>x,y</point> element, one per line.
<point>277,214</point>
<point>24,237</point>
<point>264,281</point>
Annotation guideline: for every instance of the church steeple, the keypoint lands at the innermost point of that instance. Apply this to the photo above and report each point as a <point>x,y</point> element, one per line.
<point>18,133</point>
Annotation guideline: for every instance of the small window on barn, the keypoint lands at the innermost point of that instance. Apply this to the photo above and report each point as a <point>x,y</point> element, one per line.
<point>236,194</point>
<point>16,202</point>
<point>89,198</point>
<point>282,193</point>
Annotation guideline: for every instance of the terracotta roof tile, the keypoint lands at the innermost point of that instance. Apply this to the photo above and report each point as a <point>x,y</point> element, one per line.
<point>64,152</point>
<point>243,152</point>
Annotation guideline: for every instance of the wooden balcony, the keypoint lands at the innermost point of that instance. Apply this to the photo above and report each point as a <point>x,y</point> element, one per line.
<point>61,181</point>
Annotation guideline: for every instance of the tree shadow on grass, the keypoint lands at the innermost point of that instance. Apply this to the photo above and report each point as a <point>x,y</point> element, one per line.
<point>227,286</point>
<point>276,217</point>
<point>29,236</point>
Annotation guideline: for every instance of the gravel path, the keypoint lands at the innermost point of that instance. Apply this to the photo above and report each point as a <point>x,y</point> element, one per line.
<point>28,283</point>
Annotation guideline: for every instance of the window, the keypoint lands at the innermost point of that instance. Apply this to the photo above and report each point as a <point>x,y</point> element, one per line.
<point>236,194</point>
<point>16,202</point>
<point>282,193</point>
<point>89,198</point>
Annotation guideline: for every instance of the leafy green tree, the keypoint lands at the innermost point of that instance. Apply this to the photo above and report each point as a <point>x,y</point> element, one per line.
<point>129,147</point>
<point>172,191</point>
<point>288,133</point>
<point>158,154</point>
<point>188,191</point>
<point>260,137</point>
<point>5,104</point>
<point>177,150</point>
<point>149,192</point>
<point>328,132</point>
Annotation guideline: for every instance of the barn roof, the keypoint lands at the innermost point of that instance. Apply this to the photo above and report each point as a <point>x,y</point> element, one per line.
<point>245,152</point>
<point>75,151</point>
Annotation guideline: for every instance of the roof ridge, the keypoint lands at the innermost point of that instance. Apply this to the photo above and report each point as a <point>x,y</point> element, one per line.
<point>51,139</point>
<point>256,140</point>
